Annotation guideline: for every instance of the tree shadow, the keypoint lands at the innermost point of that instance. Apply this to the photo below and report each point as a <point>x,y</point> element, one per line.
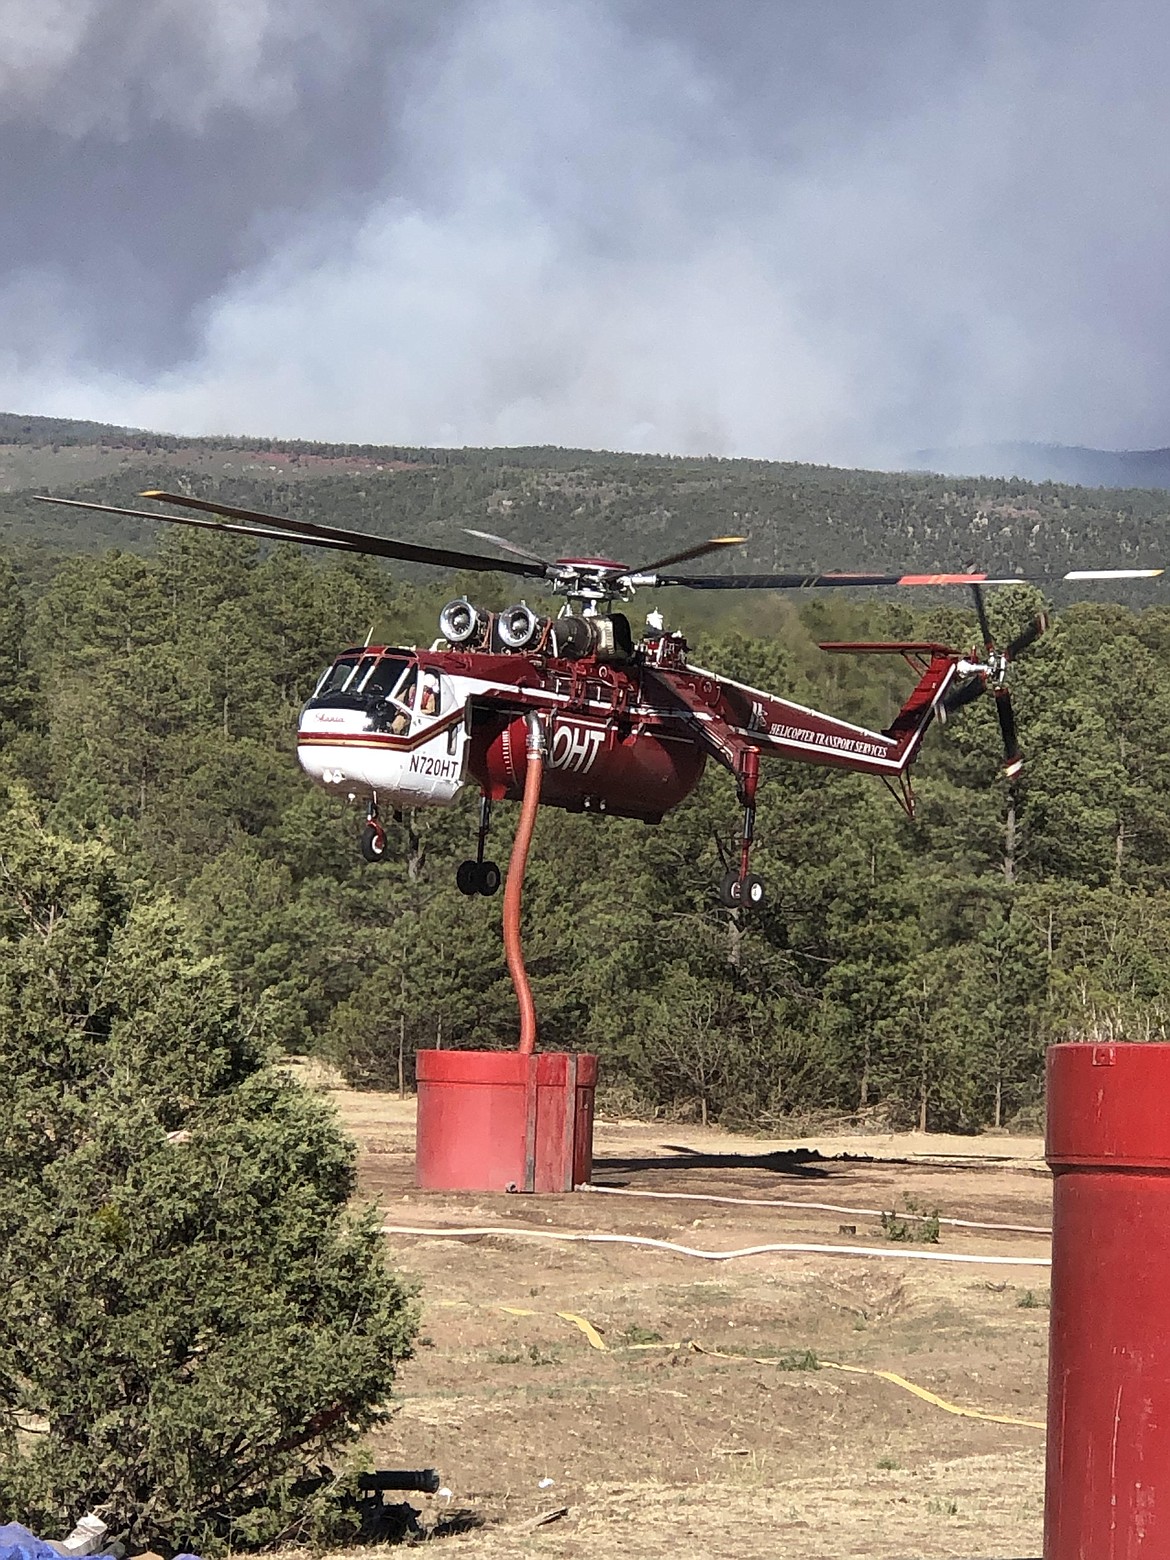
<point>797,1164</point>
<point>802,1164</point>
<point>460,1519</point>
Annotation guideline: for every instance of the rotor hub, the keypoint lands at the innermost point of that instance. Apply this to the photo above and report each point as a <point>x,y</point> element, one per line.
<point>591,581</point>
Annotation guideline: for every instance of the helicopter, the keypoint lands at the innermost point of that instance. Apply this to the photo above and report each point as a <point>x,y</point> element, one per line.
<point>622,727</point>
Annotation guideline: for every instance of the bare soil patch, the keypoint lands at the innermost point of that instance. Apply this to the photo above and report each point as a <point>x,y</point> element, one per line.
<point>657,1448</point>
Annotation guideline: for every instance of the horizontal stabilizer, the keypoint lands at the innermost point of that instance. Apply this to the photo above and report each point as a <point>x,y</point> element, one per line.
<point>885,647</point>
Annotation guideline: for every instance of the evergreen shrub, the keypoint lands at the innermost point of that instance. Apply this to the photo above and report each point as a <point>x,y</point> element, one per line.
<point>190,1316</point>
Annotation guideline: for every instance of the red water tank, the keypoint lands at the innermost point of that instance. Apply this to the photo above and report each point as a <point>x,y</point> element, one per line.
<point>594,764</point>
<point>1107,1494</point>
<point>502,1121</point>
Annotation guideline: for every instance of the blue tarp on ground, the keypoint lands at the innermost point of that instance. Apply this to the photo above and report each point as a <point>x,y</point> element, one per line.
<point>17,1543</point>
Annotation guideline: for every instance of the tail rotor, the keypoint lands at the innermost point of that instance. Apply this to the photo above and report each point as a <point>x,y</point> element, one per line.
<point>990,676</point>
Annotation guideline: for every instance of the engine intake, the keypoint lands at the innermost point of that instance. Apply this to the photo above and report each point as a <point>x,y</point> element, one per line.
<point>461,623</point>
<point>519,627</point>
<point>606,636</point>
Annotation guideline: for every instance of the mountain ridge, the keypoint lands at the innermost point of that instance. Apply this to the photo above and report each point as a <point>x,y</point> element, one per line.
<point>557,502</point>
<point>1071,464</point>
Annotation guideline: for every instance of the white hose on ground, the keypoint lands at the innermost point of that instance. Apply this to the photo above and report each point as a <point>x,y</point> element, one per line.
<point>771,1202</point>
<point>594,1238</point>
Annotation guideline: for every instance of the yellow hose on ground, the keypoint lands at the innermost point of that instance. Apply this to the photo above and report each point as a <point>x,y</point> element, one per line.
<point>596,1341</point>
<point>593,1337</point>
<point>898,1381</point>
<point>931,1397</point>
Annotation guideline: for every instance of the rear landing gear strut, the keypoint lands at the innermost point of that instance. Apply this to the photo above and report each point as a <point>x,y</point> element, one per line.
<point>479,876</point>
<point>739,888</point>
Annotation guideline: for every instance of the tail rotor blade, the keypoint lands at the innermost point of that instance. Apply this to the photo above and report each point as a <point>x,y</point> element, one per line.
<point>966,693</point>
<point>1030,635</point>
<point>1013,758</point>
<point>984,625</point>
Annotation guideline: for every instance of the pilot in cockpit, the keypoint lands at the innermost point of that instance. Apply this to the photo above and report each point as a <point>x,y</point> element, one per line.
<point>405,697</point>
<point>429,704</point>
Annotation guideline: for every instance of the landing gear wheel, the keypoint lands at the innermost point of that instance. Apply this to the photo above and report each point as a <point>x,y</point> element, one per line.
<point>489,878</point>
<point>752,891</point>
<point>729,890</point>
<point>741,893</point>
<point>373,842</point>
<point>477,877</point>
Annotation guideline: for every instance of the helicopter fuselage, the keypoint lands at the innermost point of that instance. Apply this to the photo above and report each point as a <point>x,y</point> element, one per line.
<point>627,735</point>
<point>459,718</point>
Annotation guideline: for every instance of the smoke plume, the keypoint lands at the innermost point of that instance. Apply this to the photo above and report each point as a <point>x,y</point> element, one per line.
<point>809,232</point>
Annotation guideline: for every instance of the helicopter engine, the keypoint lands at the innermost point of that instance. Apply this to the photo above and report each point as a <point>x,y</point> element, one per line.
<point>609,636</point>
<point>462,624</point>
<point>518,629</point>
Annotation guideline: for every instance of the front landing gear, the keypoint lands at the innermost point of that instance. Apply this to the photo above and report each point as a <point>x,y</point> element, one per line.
<point>373,839</point>
<point>479,876</point>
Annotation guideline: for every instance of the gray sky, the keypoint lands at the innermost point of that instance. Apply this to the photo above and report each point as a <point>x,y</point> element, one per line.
<point>829,230</point>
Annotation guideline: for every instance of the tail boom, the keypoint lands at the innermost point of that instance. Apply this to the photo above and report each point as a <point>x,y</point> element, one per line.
<point>780,728</point>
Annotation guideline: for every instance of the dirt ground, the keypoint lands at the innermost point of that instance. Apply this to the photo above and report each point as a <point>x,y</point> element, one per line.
<point>712,1422</point>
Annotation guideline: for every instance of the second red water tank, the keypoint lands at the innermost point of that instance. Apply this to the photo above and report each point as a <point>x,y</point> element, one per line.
<point>1108,1476</point>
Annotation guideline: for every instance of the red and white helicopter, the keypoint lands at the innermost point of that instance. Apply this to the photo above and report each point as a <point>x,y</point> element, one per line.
<point>623,727</point>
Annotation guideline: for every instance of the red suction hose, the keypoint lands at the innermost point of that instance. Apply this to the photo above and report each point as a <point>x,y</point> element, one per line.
<point>533,776</point>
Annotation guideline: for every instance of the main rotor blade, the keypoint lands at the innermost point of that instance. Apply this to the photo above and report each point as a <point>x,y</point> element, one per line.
<point>1017,646</point>
<point>359,541</point>
<point>852,581</point>
<point>521,552</point>
<point>700,550</point>
<point>814,581</point>
<point>264,533</point>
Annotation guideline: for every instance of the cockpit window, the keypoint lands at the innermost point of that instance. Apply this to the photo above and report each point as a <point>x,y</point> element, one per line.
<point>378,680</point>
<point>382,677</point>
<point>358,680</point>
<point>365,666</point>
<point>337,677</point>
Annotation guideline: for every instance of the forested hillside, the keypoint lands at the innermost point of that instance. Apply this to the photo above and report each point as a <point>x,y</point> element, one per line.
<point>564,502</point>
<point>913,968</point>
